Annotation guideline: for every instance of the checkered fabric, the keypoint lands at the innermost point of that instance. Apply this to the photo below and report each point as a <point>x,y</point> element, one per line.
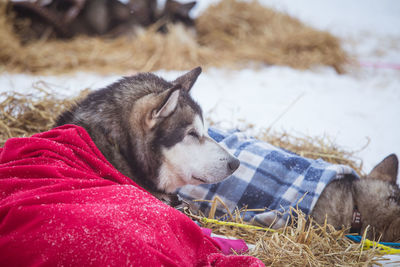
<point>268,177</point>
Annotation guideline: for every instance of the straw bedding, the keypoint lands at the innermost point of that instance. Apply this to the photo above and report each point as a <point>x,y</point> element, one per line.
<point>230,34</point>
<point>298,244</point>
<point>26,114</point>
<point>250,31</point>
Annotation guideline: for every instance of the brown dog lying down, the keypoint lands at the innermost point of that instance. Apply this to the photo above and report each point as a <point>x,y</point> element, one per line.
<point>373,200</point>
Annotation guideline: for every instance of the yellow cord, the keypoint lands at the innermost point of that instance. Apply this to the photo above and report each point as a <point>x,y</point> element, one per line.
<point>206,220</point>
<point>382,248</point>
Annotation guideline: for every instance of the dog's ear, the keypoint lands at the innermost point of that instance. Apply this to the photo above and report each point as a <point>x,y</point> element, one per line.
<point>165,105</point>
<point>176,8</point>
<point>187,80</point>
<point>386,170</point>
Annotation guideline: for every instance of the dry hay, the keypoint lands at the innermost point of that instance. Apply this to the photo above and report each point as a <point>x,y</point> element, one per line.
<point>299,243</point>
<point>250,31</point>
<point>23,115</point>
<point>230,34</point>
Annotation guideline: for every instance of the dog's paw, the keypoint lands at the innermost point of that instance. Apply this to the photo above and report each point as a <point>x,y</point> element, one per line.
<point>172,200</point>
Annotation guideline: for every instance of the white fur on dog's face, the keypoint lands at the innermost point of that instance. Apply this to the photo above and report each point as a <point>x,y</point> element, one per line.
<point>195,160</point>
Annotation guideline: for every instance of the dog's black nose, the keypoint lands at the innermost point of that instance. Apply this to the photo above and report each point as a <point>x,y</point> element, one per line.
<point>233,164</point>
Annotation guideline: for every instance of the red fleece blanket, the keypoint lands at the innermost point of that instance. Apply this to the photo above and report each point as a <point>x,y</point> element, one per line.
<point>62,203</point>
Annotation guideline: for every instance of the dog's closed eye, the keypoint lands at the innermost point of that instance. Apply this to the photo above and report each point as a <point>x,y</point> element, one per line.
<point>194,134</point>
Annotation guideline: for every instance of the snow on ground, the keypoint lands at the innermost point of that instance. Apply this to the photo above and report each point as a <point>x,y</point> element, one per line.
<point>351,108</point>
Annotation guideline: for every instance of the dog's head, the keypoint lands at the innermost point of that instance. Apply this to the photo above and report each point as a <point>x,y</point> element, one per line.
<point>378,199</point>
<point>172,124</point>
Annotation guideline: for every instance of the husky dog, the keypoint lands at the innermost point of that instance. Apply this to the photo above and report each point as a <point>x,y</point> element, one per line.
<point>153,132</point>
<point>372,201</point>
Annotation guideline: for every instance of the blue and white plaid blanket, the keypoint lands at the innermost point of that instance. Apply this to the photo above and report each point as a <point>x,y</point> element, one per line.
<point>269,178</point>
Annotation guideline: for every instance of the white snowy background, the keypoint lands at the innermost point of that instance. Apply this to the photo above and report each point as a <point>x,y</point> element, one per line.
<point>361,105</point>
